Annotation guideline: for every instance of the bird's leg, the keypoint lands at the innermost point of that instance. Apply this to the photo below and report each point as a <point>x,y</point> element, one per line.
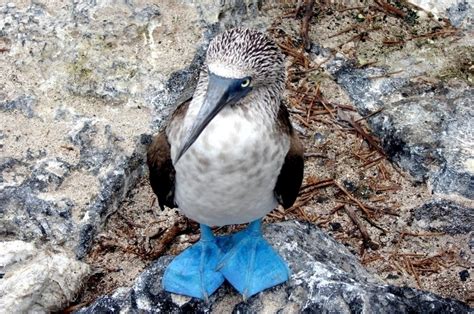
<point>252,265</point>
<point>193,272</point>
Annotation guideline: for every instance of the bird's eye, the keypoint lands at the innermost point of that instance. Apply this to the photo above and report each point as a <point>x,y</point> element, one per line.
<point>245,83</point>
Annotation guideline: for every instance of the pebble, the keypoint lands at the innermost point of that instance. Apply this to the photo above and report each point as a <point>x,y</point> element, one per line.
<point>319,138</point>
<point>463,275</point>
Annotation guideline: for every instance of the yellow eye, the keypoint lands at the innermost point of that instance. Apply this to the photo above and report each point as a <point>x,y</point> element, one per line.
<point>245,83</point>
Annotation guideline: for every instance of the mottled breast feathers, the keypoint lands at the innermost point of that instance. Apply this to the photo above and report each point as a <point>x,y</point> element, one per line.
<point>162,171</point>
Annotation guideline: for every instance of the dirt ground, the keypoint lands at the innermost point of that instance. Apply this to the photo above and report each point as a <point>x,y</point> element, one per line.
<point>350,190</point>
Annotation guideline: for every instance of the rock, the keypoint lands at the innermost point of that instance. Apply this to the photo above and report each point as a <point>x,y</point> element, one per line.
<point>34,279</point>
<point>24,104</point>
<point>421,98</point>
<point>429,133</point>
<point>84,85</point>
<point>464,275</point>
<point>427,128</point>
<point>95,91</point>
<point>459,12</point>
<point>444,216</point>
<point>14,252</point>
<point>77,91</point>
<point>326,278</point>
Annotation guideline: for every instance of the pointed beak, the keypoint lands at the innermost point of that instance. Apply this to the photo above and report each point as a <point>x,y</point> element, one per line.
<point>217,96</point>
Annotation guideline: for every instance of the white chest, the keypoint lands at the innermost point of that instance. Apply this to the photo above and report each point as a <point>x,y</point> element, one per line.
<point>229,173</point>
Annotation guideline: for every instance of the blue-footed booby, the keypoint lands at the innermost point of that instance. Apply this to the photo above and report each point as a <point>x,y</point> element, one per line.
<point>229,155</point>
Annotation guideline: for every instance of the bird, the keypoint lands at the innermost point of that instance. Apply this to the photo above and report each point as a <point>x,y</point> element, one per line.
<point>229,155</point>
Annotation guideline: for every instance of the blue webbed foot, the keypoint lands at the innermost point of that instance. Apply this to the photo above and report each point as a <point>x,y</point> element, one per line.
<point>251,265</point>
<point>193,272</point>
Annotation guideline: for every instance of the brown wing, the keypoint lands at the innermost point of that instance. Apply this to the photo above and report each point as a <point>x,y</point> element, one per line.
<point>162,172</point>
<point>291,173</point>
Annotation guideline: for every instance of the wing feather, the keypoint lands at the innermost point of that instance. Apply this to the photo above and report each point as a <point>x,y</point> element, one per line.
<point>291,173</point>
<point>160,165</point>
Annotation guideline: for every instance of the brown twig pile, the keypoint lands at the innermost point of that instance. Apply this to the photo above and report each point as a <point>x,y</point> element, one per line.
<point>416,264</point>
<point>309,108</point>
<point>164,238</point>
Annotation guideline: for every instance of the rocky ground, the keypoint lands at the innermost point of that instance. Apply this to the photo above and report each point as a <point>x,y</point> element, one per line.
<point>326,278</point>
<point>380,92</point>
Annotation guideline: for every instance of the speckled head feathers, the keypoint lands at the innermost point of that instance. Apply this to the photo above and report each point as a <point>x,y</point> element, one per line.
<point>242,52</point>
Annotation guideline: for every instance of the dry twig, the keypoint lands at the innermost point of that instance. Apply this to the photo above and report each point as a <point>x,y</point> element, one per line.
<point>306,25</point>
<point>363,231</point>
<point>343,189</point>
<point>179,227</point>
<point>390,9</point>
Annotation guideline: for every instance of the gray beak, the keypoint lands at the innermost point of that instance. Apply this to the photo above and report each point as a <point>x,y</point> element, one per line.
<point>217,96</point>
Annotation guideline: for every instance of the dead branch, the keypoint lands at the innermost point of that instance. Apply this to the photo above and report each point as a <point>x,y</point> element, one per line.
<point>305,24</point>
<point>358,128</point>
<point>363,231</point>
<point>179,227</point>
<point>370,115</point>
<point>343,189</point>
<point>390,9</point>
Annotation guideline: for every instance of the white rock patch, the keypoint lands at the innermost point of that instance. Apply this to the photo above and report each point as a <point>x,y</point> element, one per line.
<point>37,280</point>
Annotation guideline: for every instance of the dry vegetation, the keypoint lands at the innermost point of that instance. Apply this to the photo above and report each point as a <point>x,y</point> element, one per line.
<point>351,190</point>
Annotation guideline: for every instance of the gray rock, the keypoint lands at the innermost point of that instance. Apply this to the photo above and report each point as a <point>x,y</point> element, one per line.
<point>84,85</point>
<point>426,122</point>
<point>366,94</point>
<point>69,115</point>
<point>459,12</point>
<point>427,129</point>
<point>23,104</point>
<point>444,216</point>
<point>326,278</point>
<point>428,134</point>
<point>96,90</point>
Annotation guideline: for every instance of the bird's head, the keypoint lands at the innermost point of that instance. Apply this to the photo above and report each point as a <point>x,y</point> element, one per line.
<point>244,54</point>
<point>240,63</point>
